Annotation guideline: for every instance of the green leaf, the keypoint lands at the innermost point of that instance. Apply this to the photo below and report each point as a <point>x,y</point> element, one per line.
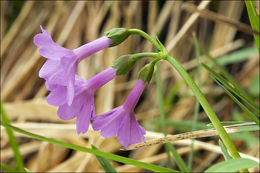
<point>232,165</point>
<point>224,150</point>
<point>17,156</point>
<point>254,20</point>
<point>106,165</point>
<point>92,151</point>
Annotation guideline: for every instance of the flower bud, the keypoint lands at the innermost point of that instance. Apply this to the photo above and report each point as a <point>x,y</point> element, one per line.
<point>118,35</point>
<point>124,64</point>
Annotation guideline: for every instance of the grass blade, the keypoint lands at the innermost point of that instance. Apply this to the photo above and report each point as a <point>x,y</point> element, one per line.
<point>161,108</point>
<point>230,79</point>
<point>228,123</point>
<point>254,20</point>
<point>17,156</point>
<point>249,113</point>
<point>197,105</point>
<point>237,56</point>
<point>106,165</point>
<point>234,90</point>
<point>224,150</point>
<point>170,147</point>
<point>7,168</point>
<point>232,165</point>
<point>180,163</point>
<point>92,151</point>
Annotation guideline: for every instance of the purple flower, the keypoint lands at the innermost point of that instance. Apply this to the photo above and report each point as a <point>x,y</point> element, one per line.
<point>82,105</point>
<point>121,121</point>
<point>61,66</point>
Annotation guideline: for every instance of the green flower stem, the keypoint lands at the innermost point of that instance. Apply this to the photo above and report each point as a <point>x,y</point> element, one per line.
<point>145,35</point>
<point>138,56</point>
<point>204,103</point>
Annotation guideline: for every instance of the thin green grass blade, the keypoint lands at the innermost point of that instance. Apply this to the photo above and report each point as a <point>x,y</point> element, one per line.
<point>247,111</point>
<point>197,104</point>
<point>160,99</point>
<point>237,56</point>
<point>254,87</point>
<point>229,77</point>
<point>185,125</point>
<point>232,165</point>
<point>161,108</point>
<point>17,156</point>
<point>249,139</point>
<point>234,90</point>
<point>224,150</point>
<point>92,151</point>
<point>180,163</point>
<point>172,94</point>
<point>7,168</point>
<point>228,123</point>
<point>254,20</point>
<point>106,165</point>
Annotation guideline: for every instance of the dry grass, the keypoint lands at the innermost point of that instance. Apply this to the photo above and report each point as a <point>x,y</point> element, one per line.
<point>76,22</point>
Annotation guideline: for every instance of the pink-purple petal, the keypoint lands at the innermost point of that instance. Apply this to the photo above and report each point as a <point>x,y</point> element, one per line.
<point>108,123</point>
<point>130,131</point>
<point>57,96</point>
<point>66,112</point>
<point>48,68</point>
<point>84,116</point>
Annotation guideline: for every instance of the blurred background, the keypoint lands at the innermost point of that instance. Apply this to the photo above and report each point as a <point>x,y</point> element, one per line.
<point>222,28</point>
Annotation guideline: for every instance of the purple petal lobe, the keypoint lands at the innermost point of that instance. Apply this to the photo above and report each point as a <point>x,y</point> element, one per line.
<point>84,116</point>
<point>48,68</point>
<point>48,48</point>
<point>57,96</point>
<point>108,123</point>
<point>130,131</point>
<point>66,112</point>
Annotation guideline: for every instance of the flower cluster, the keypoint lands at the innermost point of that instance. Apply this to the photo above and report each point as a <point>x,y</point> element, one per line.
<point>75,96</point>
